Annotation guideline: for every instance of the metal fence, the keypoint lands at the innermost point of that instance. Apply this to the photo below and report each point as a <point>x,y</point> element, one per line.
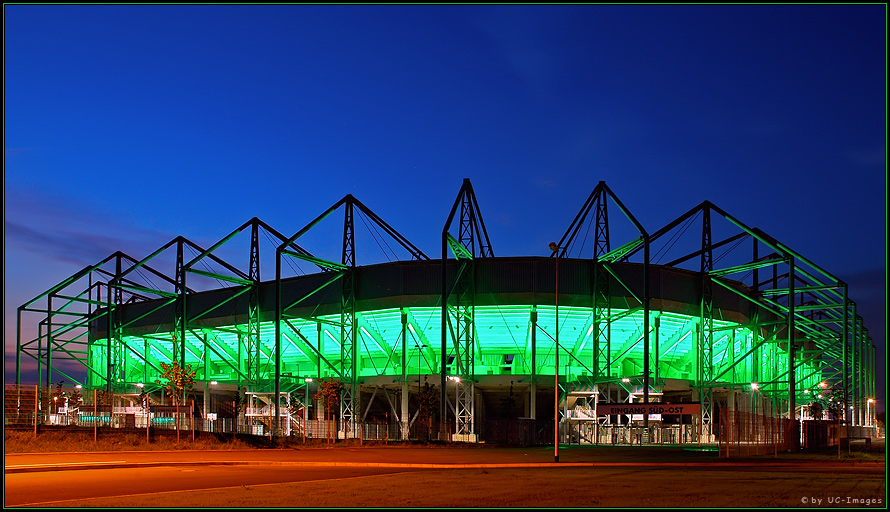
<point>742,433</point>
<point>738,433</point>
<point>29,407</point>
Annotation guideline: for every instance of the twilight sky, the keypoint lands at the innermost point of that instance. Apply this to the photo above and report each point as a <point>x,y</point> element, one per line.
<point>128,125</point>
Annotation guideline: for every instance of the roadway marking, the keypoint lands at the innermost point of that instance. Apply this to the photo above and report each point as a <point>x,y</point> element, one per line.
<point>26,466</point>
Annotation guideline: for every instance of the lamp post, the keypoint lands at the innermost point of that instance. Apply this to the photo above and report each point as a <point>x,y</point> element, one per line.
<point>555,249</point>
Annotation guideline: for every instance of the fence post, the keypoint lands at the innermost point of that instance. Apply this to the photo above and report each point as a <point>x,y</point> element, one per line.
<point>95,415</point>
<point>193,418</point>
<point>839,437</point>
<point>36,407</point>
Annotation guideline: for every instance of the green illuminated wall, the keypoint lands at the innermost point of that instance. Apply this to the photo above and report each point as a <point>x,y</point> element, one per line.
<point>503,346</point>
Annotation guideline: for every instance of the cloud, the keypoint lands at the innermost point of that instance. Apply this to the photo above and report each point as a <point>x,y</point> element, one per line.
<point>77,247</point>
<point>63,230</point>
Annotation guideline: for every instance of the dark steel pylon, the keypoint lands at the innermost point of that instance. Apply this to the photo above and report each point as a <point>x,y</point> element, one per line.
<point>458,306</point>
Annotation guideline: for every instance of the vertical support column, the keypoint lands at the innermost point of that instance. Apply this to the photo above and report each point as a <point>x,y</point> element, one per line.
<point>732,354</point>
<point>601,300</point>
<point>464,323</point>
<point>657,335</point>
<point>458,322</point>
<point>49,340</point>
<point>873,392</point>
<point>533,388</point>
<point>253,310</point>
<point>556,428</point>
<point>18,347</point>
<point>794,437</point>
<point>860,344</point>
<point>755,358</point>
<point>602,327</point>
<point>349,402</point>
<point>180,327</point>
<point>854,407</point>
<point>465,340</point>
<point>319,348</point>
<point>278,318</point>
<point>851,354</point>
<point>863,388</point>
<point>109,334</point>
<point>403,420</point>
<point>91,337</point>
<point>646,368</point>
<point>845,341</point>
<point>207,400</point>
<point>443,355</point>
<point>706,338</point>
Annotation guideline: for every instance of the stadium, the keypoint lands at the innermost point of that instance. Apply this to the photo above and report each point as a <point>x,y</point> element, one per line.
<point>654,337</point>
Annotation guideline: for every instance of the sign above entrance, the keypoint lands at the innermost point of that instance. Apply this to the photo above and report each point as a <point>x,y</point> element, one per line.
<point>609,409</point>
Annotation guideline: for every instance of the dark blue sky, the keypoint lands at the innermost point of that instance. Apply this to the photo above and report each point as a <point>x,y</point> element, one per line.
<point>128,125</point>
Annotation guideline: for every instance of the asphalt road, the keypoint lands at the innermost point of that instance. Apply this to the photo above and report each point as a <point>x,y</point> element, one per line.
<point>222,478</point>
<point>39,488</point>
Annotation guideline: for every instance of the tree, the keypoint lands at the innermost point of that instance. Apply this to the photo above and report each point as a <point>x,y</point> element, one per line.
<point>178,380</point>
<point>75,398</point>
<point>329,391</point>
<point>830,400</point>
<point>428,399</point>
<point>816,410</point>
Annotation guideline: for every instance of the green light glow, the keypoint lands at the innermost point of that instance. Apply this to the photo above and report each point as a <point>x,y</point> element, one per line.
<point>500,331</point>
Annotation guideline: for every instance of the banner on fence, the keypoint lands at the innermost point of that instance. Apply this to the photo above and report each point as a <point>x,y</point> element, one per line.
<point>609,409</point>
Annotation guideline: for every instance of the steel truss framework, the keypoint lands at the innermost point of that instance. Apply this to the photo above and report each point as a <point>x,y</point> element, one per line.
<point>804,332</point>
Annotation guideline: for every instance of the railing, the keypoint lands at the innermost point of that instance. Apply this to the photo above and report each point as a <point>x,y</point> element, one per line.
<point>30,407</point>
<point>744,433</point>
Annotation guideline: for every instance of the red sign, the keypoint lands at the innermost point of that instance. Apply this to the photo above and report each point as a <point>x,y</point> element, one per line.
<point>610,409</point>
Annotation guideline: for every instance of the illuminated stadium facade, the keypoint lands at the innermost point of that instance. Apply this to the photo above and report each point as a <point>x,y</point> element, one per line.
<point>481,329</point>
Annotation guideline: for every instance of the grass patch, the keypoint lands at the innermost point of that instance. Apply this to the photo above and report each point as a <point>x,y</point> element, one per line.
<point>51,441</point>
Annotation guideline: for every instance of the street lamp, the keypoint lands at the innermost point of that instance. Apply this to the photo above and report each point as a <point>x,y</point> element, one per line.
<point>555,249</point>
